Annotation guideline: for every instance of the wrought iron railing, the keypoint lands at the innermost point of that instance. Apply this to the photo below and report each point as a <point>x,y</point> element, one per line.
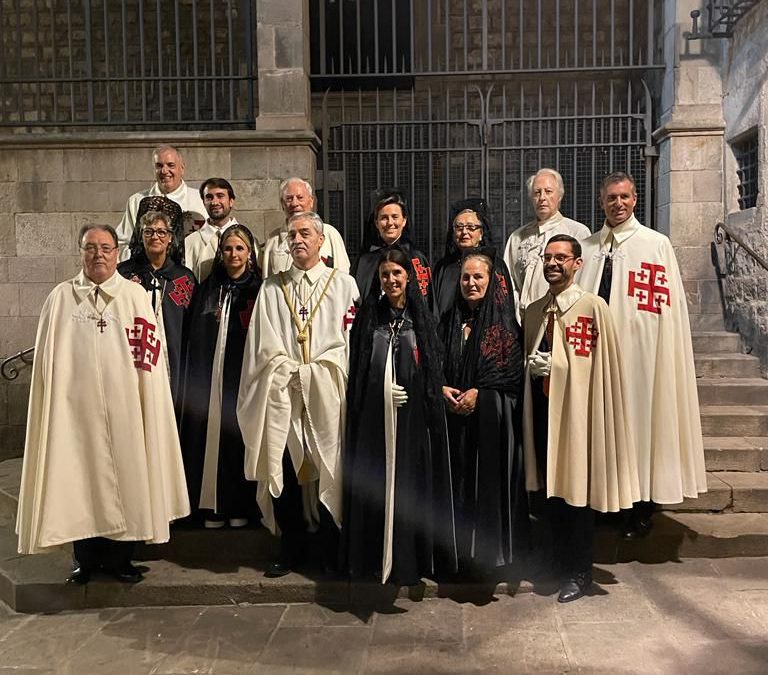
<point>723,235</point>
<point>8,367</point>
<point>129,63</point>
<point>719,18</point>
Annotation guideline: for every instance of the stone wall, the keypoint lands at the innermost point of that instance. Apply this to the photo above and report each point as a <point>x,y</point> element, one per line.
<point>745,107</point>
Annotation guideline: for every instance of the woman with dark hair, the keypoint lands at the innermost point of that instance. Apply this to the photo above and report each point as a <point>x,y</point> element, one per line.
<point>398,515</point>
<point>483,375</point>
<point>156,263</point>
<point>388,226</point>
<point>468,228</point>
<point>211,442</point>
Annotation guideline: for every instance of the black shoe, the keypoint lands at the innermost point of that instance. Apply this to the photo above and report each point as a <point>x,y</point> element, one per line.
<point>637,528</point>
<point>79,576</point>
<point>575,587</point>
<point>277,569</point>
<point>127,573</point>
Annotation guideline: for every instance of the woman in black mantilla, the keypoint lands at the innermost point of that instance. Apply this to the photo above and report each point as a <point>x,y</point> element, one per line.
<point>398,515</point>
<point>483,374</point>
<point>211,442</point>
<point>468,228</point>
<point>388,226</point>
<point>156,262</point>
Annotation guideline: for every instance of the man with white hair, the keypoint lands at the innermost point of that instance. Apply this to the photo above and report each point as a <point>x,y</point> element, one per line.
<point>296,196</point>
<point>169,182</point>
<point>526,244</point>
<point>292,401</point>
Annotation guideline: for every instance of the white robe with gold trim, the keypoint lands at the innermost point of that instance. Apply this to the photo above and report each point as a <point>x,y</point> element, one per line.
<point>275,257</point>
<point>651,316</point>
<point>273,415</point>
<point>590,456</point>
<point>102,455</point>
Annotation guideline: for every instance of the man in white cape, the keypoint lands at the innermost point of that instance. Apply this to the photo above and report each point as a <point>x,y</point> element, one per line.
<point>296,196</point>
<point>292,399</point>
<point>169,182</point>
<point>634,269</point>
<point>102,463</point>
<point>526,244</point>
<point>200,246</point>
<point>577,444</point>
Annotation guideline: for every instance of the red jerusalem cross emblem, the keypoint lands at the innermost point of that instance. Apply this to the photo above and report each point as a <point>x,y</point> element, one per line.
<point>144,344</point>
<point>650,286</point>
<point>182,291</point>
<point>349,318</point>
<point>582,335</point>
<point>423,275</point>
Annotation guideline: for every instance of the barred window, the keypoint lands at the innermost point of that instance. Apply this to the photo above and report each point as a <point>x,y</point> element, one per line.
<point>745,151</point>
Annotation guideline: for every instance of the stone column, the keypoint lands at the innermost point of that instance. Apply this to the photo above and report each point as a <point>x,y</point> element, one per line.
<point>691,148</point>
<point>283,64</point>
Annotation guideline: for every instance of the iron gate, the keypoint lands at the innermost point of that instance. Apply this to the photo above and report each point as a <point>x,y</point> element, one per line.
<point>442,142</point>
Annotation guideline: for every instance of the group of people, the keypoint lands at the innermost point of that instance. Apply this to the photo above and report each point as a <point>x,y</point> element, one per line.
<point>409,423</point>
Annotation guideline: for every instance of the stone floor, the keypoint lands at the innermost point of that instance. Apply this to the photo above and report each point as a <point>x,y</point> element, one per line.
<point>695,616</point>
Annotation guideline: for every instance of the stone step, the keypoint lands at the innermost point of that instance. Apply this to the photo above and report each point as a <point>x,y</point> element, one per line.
<point>717,341</point>
<point>707,322</point>
<point>732,391</point>
<point>726,453</point>
<point>726,365</point>
<point>724,420</point>
<point>731,491</point>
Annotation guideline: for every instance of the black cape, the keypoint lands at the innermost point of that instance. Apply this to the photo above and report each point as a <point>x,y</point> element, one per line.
<point>364,269</point>
<point>236,497</point>
<point>177,285</point>
<point>423,533</point>
<point>486,453</point>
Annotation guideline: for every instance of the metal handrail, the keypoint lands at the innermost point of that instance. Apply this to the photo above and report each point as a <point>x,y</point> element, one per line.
<point>723,234</point>
<point>8,370</point>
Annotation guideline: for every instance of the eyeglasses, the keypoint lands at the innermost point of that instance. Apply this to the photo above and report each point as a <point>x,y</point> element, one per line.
<point>92,249</point>
<point>559,258</point>
<point>468,228</point>
<point>148,232</point>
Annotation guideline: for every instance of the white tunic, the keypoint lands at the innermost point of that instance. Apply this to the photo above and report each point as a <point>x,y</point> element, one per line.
<point>651,316</point>
<point>307,419</point>
<point>200,248</point>
<point>524,247</point>
<point>275,256</point>
<point>185,196</point>
<point>102,455</point>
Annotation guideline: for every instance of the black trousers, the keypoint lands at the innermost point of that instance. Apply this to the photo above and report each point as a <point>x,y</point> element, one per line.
<point>573,529</point>
<point>289,514</point>
<point>99,552</point>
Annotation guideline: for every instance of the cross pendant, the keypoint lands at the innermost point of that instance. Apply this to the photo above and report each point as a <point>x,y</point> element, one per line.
<point>303,313</point>
<point>101,324</point>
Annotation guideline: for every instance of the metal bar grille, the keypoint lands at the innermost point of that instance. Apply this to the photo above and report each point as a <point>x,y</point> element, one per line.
<point>132,64</point>
<point>396,38</point>
<point>745,151</point>
<point>450,141</point>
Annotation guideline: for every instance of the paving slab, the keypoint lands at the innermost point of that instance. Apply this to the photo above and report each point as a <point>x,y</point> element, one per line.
<point>750,490</point>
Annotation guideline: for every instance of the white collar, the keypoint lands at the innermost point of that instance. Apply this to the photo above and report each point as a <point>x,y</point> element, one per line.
<point>621,232</point>
<point>550,223</point>
<point>84,286</point>
<point>209,229</point>
<point>177,194</point>
<point>567,298</point>
<point>313,274</point>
